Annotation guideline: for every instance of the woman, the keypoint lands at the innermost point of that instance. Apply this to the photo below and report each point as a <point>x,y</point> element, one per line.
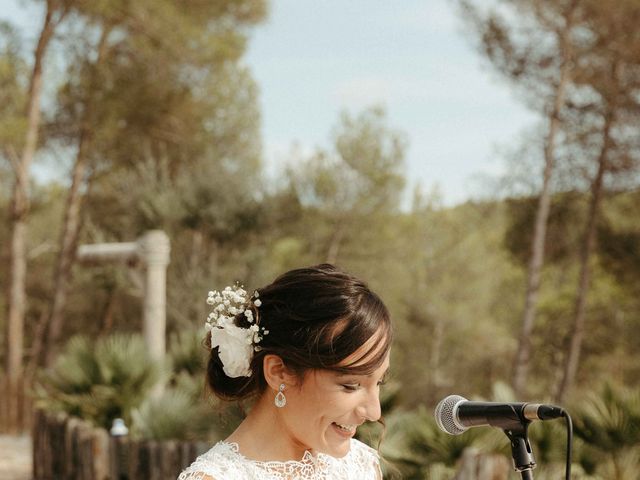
<point>312,348</point>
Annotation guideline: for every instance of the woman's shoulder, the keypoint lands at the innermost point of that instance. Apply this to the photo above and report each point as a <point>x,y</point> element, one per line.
<point>221,461</point>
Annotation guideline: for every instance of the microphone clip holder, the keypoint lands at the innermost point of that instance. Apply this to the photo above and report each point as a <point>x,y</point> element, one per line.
<point>521,451</point>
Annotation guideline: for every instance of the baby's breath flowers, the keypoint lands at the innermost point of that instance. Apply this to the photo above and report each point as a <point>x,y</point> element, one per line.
<point>235,344</point>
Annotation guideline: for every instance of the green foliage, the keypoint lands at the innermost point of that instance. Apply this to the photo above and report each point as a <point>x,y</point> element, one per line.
<point>367,157</point>
<point>100,381</point>
<point>114,377</point>
<point>606,443</point>
<point>187,352</point>
<point>619,241</point>
<point>172,416</point>
<point>610,419</point>
<point>606,440</point>
<point>458,291</point>
<point>180,413</point>
<point>563,227</point>
<point>414,444</point>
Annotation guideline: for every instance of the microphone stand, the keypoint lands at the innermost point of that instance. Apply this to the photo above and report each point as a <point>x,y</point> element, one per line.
<point>521,452</point>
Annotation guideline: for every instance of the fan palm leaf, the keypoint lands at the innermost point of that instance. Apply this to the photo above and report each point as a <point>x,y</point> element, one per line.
<point>101,381</point>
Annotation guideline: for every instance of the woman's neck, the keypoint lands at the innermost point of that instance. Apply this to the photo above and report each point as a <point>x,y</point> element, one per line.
<point>263,435</point>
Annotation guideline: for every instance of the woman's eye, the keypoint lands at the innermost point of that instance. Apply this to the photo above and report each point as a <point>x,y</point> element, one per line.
<point>352,387</point>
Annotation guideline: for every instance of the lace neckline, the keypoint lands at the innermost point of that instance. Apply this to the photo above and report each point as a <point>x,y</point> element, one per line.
<point>308,459</point>
<point>224,460</point>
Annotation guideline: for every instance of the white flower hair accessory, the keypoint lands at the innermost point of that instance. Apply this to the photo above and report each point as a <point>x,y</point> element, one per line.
<point>235,344</point>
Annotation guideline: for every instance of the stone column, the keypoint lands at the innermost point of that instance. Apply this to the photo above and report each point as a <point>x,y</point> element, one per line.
<point>153,251</point>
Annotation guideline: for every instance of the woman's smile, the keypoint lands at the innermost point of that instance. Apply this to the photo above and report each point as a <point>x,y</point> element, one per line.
<point>347,431</point>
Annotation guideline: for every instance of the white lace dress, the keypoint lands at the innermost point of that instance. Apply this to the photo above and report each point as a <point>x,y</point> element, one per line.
<point>224,462</point>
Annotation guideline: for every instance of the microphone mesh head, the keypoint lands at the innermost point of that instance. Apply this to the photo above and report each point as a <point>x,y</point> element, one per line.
<point>446,415</point>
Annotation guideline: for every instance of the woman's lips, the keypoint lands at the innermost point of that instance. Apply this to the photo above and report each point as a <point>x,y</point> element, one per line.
<point>344,430</point>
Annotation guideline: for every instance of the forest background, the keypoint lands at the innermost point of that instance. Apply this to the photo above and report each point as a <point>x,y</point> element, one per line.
<point>531,294</point>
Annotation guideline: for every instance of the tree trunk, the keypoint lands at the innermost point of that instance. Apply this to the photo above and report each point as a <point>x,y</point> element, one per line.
<point>72,221</point>
<point>68,244</point>
<point>576,335</point>
<point>17,254</point>
<point>523,353</point>
<point>36,347</point>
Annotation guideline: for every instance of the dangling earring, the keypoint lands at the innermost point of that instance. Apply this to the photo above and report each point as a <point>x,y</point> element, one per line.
<point>280,399</point>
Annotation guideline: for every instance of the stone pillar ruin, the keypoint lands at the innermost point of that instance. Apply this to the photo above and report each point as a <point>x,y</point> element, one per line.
<point>152,251</point>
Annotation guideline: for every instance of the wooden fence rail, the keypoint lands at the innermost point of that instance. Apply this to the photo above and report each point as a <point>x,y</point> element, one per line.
<point>67,448</point>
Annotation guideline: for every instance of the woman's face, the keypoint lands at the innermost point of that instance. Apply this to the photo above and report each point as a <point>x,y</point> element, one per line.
<point>324,410</point>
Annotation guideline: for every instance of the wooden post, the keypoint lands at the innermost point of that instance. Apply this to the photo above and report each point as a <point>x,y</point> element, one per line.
<point>36,438</point>
<point>71,467</point>
<point>100,454</point>
<point>57,430</point>
<point>170,460</point>
<point>119,456</point>
<point>69,448</point>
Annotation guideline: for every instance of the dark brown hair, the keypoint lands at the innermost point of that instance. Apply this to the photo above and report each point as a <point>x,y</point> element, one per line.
<point>316,317</point>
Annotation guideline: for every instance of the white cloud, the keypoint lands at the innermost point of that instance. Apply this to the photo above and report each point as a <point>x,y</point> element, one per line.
<point>443,83</point>
<point>363,91</point>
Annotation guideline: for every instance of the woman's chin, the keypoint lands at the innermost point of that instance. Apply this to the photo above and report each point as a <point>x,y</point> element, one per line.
<point>338,445</point>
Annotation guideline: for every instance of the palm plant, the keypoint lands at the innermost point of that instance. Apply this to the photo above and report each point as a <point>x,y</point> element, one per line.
<point>187,352</point>
<point>100,381</point>
<point>414,446</point>
<point>608,423</point>
<point>556,471</point>
<point>182,412</point>
<point>175,415</point>
<point>170,416</point>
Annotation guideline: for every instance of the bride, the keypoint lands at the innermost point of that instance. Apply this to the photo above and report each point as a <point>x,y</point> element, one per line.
<point>312,350</point>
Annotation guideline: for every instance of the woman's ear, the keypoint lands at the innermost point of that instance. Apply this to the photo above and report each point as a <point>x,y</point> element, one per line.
<point>276,372</point>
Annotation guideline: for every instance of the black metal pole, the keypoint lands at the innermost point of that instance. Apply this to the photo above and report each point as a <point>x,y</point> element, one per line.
<point>527,474</point>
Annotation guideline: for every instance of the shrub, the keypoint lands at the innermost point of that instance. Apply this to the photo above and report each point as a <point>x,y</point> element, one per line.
<point>100,381</point>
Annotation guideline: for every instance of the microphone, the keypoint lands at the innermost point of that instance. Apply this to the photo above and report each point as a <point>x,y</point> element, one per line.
<point>455,414</point>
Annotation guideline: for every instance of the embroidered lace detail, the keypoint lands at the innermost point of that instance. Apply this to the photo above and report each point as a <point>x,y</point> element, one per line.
<point>224,462</point>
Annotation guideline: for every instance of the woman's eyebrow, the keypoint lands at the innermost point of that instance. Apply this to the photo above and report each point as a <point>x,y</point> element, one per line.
<point>368,375</point>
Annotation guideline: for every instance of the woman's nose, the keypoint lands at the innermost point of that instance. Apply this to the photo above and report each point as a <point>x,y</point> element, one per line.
<point>370,406</point>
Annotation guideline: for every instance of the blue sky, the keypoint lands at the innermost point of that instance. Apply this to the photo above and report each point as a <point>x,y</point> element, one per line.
<point>314,58</point>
